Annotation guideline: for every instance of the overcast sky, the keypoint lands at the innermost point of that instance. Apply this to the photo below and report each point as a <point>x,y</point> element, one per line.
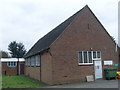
<point>27,21</point>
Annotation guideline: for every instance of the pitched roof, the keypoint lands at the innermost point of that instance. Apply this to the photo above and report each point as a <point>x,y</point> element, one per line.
<point>44,43</point>
<point>48,39</point>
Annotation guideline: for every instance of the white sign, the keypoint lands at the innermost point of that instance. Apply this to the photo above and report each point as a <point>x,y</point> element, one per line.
<point>108,62</point>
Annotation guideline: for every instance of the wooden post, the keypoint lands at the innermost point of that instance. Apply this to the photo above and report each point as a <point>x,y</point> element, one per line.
<point>18,67</point>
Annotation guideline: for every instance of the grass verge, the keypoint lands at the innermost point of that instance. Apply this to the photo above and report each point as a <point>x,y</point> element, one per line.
<point>20,82</point>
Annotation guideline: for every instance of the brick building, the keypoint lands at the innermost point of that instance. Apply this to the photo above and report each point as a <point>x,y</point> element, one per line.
<point>78,47</point>
<point>9,66</point>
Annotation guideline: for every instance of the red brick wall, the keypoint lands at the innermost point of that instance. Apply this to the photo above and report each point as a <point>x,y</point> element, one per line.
<point>46,68</point>
<point>9,70</point>
<point>84,33</point>
<point>33,72</point>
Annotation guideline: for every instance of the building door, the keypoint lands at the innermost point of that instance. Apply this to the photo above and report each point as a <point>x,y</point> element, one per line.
<point>98,69</point>
<point>21,69</point>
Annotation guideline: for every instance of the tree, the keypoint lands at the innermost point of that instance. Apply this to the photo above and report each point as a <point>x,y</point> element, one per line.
<point>17,50</point>
<point>113,38</point>
<point>4,54</point>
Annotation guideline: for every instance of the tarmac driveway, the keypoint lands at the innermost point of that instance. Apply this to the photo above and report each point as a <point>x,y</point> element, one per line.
<point>95,84</point>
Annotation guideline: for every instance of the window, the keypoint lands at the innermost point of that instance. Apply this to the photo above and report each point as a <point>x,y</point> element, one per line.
<point>12,64</point>
<point>98,55</point>
<point>94,54</point>
<point>32,61</point>
<point>26,62</point>
<point>29,62</point>
<point>90,56</point>
<point>86,57</point>
<point>80,57</point>
<point>37,57</point>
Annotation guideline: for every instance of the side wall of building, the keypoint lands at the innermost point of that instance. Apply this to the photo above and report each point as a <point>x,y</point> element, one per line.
<point>42,73</point>
<point>33,72</point>
<point>32,69</point>
<point>9,70</point>
<point>46,68</point>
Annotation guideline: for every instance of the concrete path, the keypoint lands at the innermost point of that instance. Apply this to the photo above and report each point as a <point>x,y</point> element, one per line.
<point>95,84</point>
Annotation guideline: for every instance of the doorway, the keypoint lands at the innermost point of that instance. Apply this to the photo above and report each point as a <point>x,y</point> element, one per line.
<point>98,69</point>
<point>21,69</point>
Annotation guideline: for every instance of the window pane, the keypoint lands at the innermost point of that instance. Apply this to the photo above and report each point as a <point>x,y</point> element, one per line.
<point>29,62</point>
<point>85,57</point>
<point>8,63</point>
<point>38,60</point>
<point>15,63</point>
<point>12,64</point>
<point>94,54</point>
<point>80,57</point>
<point>35,60</point>
<point>98,54</point>
<point>26,61</point>
<point>32,61</point>
<point>90,57</point>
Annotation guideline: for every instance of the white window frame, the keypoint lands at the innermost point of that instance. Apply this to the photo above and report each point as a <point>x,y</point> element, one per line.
<point>96,56</point>
<point>88,57</point>
<point>11,64</point>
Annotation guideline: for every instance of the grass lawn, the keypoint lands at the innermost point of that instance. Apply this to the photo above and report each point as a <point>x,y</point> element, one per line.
<point>19,82</point>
